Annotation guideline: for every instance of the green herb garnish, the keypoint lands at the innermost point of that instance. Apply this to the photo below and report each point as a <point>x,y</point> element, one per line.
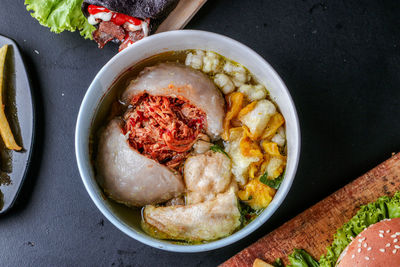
<point>247,214</point>
<point>275,183</point>
<point>278,263</point>
<point>217,148</point>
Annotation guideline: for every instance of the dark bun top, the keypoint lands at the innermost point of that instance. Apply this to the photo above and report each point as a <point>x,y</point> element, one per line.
<point>378,245</point>
<point>142,9</point>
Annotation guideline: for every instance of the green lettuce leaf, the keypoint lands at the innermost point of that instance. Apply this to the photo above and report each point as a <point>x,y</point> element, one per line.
<point>300,258</point>
<point>393,206</point>
<point>60,15</point>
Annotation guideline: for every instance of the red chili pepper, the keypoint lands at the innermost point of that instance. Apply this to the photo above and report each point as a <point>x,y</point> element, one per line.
<point>117,18</point>
<point>93,10</point>
<point>120,19</point>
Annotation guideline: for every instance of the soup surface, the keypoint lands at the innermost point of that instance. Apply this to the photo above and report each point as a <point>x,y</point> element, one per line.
<point>189,145</point>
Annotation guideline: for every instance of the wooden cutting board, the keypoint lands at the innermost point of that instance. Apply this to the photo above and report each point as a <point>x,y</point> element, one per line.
<point>313,229</point>
<point>181,15</point>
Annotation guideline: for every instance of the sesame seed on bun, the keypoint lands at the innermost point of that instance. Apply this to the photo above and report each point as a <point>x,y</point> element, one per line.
<point>377,246</point>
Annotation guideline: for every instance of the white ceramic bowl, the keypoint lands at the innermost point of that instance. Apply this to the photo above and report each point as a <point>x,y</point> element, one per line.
<point>173,41</point>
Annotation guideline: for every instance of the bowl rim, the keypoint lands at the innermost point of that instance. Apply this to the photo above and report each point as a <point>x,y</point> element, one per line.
<point>145,239</point>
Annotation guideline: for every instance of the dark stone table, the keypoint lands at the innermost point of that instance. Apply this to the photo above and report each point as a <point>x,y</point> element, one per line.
<point>339,59</point>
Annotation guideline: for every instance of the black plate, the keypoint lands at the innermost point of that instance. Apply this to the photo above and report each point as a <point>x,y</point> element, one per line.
<point>20,113</point>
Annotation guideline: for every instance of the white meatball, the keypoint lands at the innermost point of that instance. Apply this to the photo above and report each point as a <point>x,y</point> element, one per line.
<point>200,52</point>
<point>253,92</point>
<point>194,60</point>
<point>239,68</point>
<point>211,62</point>
<point>224,83</point>
<point>129,177</point>
<point>240,78</point>
<point>229,68</point>
<point>237,72</point>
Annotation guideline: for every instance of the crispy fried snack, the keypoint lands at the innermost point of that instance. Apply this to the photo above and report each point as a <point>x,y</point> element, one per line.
<point>5,130</point>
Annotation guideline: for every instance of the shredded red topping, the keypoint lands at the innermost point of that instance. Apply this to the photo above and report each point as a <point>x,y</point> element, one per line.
<point>163,128</point>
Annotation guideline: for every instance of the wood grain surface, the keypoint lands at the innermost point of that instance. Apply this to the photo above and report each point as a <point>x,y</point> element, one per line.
<point>313,229</point>
<point>181,15</point>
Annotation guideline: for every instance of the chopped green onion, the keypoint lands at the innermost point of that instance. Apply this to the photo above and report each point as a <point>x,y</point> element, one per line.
<point>274,183</point>
<point>217,148</point>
